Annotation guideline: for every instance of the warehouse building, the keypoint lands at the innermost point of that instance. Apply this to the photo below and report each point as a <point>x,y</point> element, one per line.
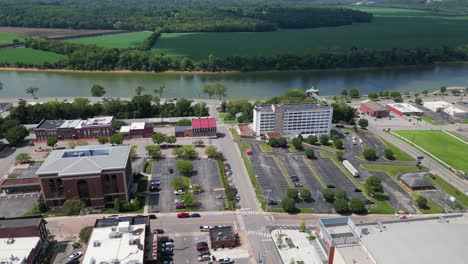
<point>293,119</point>
<point>404,109</point>
<point>374,109</point>
<point>455,111</point>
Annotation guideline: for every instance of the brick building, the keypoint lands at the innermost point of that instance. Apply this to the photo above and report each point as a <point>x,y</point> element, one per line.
<point>137,130</point>
<point>96,174</point>
<point>23,240</point>
<point>223,237</point>
<point>204,127</point>
<point>374,109</point>
<point>75,129</point>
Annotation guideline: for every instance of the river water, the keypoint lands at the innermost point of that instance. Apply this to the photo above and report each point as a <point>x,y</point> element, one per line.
<point>241,85</point>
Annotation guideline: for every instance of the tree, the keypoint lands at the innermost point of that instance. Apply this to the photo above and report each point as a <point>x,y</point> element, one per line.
<point>184,122</point>
<point>425,92</point>
<point>421,201</point>
<point>139,90</point>
<point>85,233</point>
<point>418,101</point>
<point>23,158</point>
<point>369,154</point>
<point>154,151</point>
<point>211,152</point>
<point>16,135</point>
<point>443,90</point>
<point>117,204</point>
<point>305,194</point>
<point>354,92</point>
<point>51,141</point>
<point>116,139</point>
<point>338,144</point>
<point>363,123</point>
<point>32,91</point>
<point>209,89</point>
<point>328,195</point>
<point>339,154</point>
<point>221,90</point>
<point>341,206</point>
<point>388,154</point>
<point>282,142</point>
<point>39,208</point>
<point>97,91</point>
<point>373,95</point>
<point>73,206</point>
<point>310,153</point>
<point>180,183</point>
<point>158,138</point>
<point>302,226</point>
<point>297,143</point>
<point>103,139</point>
<point>185,152</point>
<point>292,193</point>
<point>324,139</point>
<point>312,139</point>
<point>373,185</point>
<point>288,205</point>
<point>185,167</point>
<point>357,206</point>
<point>133,151</point>
<point>171,139</point>
<point>189,199</point>
<point>344,92</point>
<point>454,91</point>
<point>273,142</point>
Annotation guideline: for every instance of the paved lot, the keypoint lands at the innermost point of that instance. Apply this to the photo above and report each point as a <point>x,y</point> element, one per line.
<point>29,172</point>
<point>185,250</point>
<point>205,173</point>
<point>371,141</point>
<point>63,250</point>
<point>17,204</point>
<point>440,198</point>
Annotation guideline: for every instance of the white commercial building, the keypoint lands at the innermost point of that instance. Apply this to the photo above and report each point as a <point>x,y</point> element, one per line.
<point>19,250</point>
<point>293,119</point>
<point>454,111</point>
<point>404,109</point>
<point>436,106</point>
<point>117,240</point>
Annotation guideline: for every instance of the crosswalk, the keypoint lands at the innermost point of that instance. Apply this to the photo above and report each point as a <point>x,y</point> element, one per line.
<point>258,233</point>
<point>241,222</point>
<point>249,211</point>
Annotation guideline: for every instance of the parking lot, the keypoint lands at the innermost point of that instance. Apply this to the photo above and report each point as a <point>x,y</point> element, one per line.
<point>205,172</point>
<point>17,204</point>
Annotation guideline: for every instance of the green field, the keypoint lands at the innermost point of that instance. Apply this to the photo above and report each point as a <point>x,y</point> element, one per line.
<point>119,41</point>
<point>390,28</point>
<point>7,38</point>
<point>431,121</point>
<point>399,154</point>
<point>28,56</point>
<point>441,145</point>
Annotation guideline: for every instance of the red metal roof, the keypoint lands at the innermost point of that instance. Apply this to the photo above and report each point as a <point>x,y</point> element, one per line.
<point>203,123</point>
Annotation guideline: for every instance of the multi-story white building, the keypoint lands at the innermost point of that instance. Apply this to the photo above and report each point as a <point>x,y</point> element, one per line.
<point>293,119</point>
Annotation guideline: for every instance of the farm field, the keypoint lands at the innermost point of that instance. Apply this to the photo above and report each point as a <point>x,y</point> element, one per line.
<point>28,56</point>
<point>391,28</point>
<point>7,38</point>
<point>443,146</point>
<point>121,41</point>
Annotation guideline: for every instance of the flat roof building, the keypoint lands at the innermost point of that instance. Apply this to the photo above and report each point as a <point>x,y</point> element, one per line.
<point>293,119</point>
<point>223,237</point>
<point>455,111</point>
<point>404,109</point>
<point>374,109</point>
<point>75,129</point>
<point>117,240</point>
<point>96,174</point>
<point>436,106</point>
<point>137,130</point>
<point>204,127</point>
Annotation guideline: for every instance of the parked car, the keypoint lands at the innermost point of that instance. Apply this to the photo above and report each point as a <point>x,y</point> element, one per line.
<point>294,178</point>
<point>171,170</point>
<point>205,228</point>
<point>369,202</point>
<point>179,192</point>
<point>202,247</point>
<point>272,202</point>
<point>75,256</point>
<point>204,252</point>
<point>225,261</point>
<point>331,186</point>
<point>154,188</point>
<point>220,196</point>
<point>204,258</point>
<point>152,217</point>
<point>183,215</point>
<point>155,182</point>
<point>180,206</point>
<point>195,215</point>
<point>237,197</point>
<point>178,201</point>
<point>158,231</point>
<point>218,226</point>
<point>168,262</point>
<point>357,190</point>
<point>202,243</point>
<point>298,184</point>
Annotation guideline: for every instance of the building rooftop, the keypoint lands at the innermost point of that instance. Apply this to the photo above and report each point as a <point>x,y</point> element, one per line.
<point>416,180</point>
<point>85,160</point>
<point>222,233</point>
<point>418,242</point>
<point>442,104</point>
<point>137,125</point>
<point>374,106</point>
<point>182,128</point>
<point>125,129</point>
<point>16,250</point>
<point>98,121</point>
<point>6,183</point>
<point>209,122</point>
<point>291,107</point>
<point>70,123</point>
<point>123,242</point>
<point>49,124</point>
<point>405,108</point>
<point>114,221</point>
<point>455,110</point>
<point>20,222</point>
<point>339,230</point>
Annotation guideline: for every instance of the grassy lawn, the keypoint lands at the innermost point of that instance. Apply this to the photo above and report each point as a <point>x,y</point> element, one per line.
<point>148,168</point>
<point>243,147</point>
<point>119,41</point>
<point>292,148</point>
<point>266,148</point>
<point>7,38</point>
<point>399,154</point>
<point>235,134</point>
<point>448,188</point>
<point>441,145</point>
<point>222,116</point>
<point>431,121</point>
<point>28,56</point>
<point>391,28</point>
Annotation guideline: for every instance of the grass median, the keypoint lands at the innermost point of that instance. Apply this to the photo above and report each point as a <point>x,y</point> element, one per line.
<point>399,154</point>
<point>448,188</point>
<point>243,147</point>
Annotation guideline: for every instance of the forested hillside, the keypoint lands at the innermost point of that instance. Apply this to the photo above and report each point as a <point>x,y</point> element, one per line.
<point>173,16</point>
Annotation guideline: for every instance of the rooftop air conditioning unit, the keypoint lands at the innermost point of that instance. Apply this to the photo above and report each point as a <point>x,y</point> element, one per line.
<point>114,228</point>
<point>10,240</point>
<point>96,243</point>
<point>132,242</point>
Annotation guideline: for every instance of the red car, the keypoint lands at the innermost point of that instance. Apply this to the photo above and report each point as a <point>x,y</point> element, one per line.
<point>180,206</point>
<point>183,215</point>
<point>202,247</point>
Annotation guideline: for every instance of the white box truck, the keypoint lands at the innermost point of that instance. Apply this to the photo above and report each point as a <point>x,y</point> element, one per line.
<point>351,168</point>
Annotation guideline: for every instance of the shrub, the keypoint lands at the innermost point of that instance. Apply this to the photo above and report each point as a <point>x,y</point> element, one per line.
<point>310,153</point>
<point>421,201</point>
<point>185,152</point>
<point>328,194</point>
<point>312,139</point>
<point>357,206</point>
<point>273,142</point>
<point>297,143</point>
<point>23,158</point>
<point>103,139</point>
<point>340,194</point>
<point>133,205</point>
<point>324,140</point>
<point>339,154</point>
<point>374,185</point>
<point>154,151</point>
<point>341,206</point>
<point>51,141</point>
<point>73,206</point>
<point>388,154</point>
<point>292,193</point>
<point>288,205</point>
<point>338,144</point>
<point>180,183</point>
<point>85,233</point>
<point>116,139</point>
<point>363,123</point>
<point>189,199</point>
<point>185,167</point>
<point>369,154</point>
<point>305,194</point>
<point>117,204</point>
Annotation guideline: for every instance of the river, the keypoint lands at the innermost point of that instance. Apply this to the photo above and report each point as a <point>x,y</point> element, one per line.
<point>257,85</point>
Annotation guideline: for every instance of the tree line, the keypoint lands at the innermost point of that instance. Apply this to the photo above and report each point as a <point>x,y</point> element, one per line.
<point>173,16</point>
<point>91,57</point>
